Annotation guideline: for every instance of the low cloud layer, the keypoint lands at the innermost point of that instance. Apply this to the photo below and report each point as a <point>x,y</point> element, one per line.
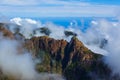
<point>16,62</point>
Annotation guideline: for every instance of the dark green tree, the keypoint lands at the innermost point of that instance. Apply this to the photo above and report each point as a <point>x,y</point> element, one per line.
<point>45,30</point>
<point>69,33</point>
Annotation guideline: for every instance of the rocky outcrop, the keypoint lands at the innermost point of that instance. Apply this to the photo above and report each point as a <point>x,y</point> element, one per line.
<point>46,44</point>
<point>72,59</point>
<point>50,50</point>
<point>5,32</point>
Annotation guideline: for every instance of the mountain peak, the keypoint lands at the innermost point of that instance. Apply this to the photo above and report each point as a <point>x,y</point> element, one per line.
<point>72,59</point>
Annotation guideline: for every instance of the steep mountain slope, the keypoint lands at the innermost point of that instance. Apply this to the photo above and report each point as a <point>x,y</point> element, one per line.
<point>72,59</point>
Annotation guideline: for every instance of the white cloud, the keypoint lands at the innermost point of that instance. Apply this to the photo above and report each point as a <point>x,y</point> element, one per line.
<point>41,3</point>
<point>18,2</point>
<point>53,8</point>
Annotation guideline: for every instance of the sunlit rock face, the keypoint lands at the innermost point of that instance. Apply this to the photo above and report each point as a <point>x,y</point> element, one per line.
<point>72,59</point>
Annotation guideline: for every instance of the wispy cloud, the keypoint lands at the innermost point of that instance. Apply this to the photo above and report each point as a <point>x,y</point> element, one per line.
<point>41,3</point>
<point>53,8</point>
<point>18,2</point>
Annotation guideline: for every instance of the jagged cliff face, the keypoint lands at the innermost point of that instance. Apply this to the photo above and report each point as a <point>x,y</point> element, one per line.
<point>50,50</point>
<point>46,44</point>
<point>71,59</point>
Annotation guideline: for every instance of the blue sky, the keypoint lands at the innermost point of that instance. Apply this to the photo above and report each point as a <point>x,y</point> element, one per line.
<point>60,8</point>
